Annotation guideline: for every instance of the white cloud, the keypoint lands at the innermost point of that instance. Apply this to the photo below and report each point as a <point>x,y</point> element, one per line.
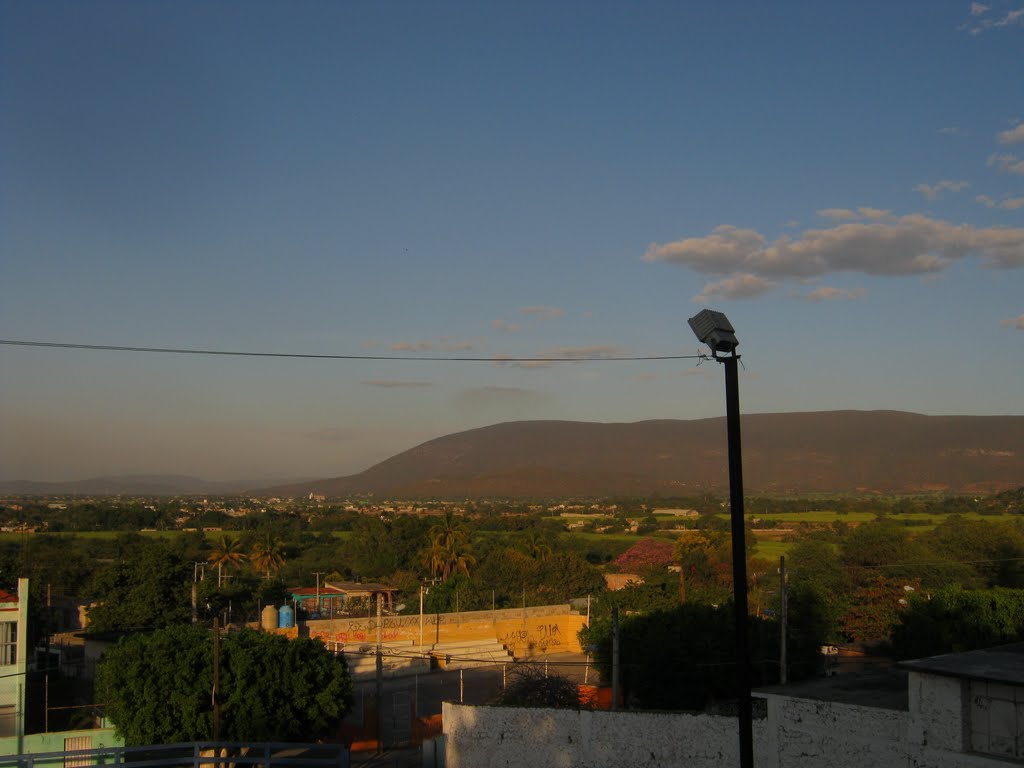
<point>1014,322</point>
<point>827,293</point>
<point>396,383</point>
<point>874,213</point>
<point>837,214</point>
<point>1011,18</point>
<point>741,286</point>
<point>954,130</point>
<point>935,191</point>
<point>1006,163</point>
<point>1012,136</point>
<point>1007,203</point>
<point>542,311</point>
<point>908,245</point>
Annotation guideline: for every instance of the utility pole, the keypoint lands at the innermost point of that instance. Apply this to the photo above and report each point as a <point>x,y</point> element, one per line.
<point>318,574</point>
<point>380,676</point>
<point>783,619</point>
<point>216,680</point>
<point>615,657</point>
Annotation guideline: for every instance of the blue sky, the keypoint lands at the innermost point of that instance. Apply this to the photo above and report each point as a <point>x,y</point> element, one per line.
<point>844,181</point>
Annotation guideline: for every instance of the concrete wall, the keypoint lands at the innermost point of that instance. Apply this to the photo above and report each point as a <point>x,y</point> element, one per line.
<point>526,633</point>
<point>797,733</point>
<point>478,737</point>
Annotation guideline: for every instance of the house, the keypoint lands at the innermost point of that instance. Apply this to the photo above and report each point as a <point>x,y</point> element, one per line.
<point>13,659</point>
<point>341,597</point>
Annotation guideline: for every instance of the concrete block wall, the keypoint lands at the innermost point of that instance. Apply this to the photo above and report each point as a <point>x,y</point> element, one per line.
<point>797,733</point>
<point>478,737</point>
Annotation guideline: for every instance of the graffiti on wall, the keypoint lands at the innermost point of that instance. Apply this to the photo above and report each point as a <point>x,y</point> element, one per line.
<point>538,638</point>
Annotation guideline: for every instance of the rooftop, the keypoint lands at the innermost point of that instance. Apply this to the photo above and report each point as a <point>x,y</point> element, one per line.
<point>1002,664</point>
<point>882,688</point>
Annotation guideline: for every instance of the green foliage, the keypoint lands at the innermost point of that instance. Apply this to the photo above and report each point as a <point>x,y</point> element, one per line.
<point>683,657</point>
<point>157,687</point>
<point>531,686</point>
<point>956,619</point>
<point>146,588</point>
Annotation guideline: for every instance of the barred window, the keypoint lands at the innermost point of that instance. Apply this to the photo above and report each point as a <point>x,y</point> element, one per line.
<point>8,643</point>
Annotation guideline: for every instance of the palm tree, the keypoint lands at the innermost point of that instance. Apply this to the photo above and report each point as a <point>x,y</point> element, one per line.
<point>267,555</point>
<point>227,553</point>
<point>535,545</point>
<point>450,547</point>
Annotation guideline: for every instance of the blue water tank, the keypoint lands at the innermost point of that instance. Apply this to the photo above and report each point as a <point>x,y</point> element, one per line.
<point>285,617</point>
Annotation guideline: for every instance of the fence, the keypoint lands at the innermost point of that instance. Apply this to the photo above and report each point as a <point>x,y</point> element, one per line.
<point>190,755</point>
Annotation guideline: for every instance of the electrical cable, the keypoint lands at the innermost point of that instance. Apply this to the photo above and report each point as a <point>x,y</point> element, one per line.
<point>310,356</point>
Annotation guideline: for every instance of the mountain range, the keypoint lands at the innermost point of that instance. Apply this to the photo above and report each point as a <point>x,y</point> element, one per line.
<point>783,453</point>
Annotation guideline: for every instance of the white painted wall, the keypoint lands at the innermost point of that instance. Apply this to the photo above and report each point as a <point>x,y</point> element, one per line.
<point>797,733</point>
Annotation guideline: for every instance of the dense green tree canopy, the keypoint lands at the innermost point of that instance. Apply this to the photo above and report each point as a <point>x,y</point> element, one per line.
<point>956,619</point>
<point>145,588</point>
<point>158,687</point>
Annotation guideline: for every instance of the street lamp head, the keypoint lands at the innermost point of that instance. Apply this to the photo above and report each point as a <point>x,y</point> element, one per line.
<point>714,329</point>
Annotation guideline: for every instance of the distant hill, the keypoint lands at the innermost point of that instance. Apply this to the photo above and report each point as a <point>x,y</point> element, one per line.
<point>783,453</point>
<point>126,485</point>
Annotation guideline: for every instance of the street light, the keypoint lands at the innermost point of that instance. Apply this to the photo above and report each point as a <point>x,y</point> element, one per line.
<point>715,330</point>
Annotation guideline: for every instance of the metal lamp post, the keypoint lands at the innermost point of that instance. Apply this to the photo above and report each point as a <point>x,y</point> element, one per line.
<point>715,330</point>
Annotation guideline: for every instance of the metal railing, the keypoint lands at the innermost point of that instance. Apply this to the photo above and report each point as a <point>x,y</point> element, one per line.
<point>206,754</point>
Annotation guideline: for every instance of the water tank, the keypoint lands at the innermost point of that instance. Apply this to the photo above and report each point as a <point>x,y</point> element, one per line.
<point>268,618</point>
<point>285,617</point>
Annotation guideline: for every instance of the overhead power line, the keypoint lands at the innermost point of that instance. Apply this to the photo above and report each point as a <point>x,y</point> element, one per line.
<point>310,356</point>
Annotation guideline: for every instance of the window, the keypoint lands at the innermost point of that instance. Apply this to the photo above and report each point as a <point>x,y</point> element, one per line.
<point>8,643</point>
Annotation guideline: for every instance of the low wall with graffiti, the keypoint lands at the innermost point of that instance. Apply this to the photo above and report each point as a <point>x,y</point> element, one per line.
<point>526,633</point>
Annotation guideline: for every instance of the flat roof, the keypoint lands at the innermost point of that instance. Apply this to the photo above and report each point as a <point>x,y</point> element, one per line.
<point>1002,664</point>
<point>882,688</point>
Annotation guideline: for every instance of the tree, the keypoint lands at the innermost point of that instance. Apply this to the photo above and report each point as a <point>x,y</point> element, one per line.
<point>955,619</point>
<point>145,589</point>
<point>227,554</point>
<point>158,687</point>
<point>531,686</point>
<point>645,555</point>
<point>449,548</point>
<point>267,555</point>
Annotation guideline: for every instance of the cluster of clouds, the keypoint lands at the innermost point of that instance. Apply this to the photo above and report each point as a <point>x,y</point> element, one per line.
<point>868,241</point>
<point>982,21</point>
<point>1003,162</point>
